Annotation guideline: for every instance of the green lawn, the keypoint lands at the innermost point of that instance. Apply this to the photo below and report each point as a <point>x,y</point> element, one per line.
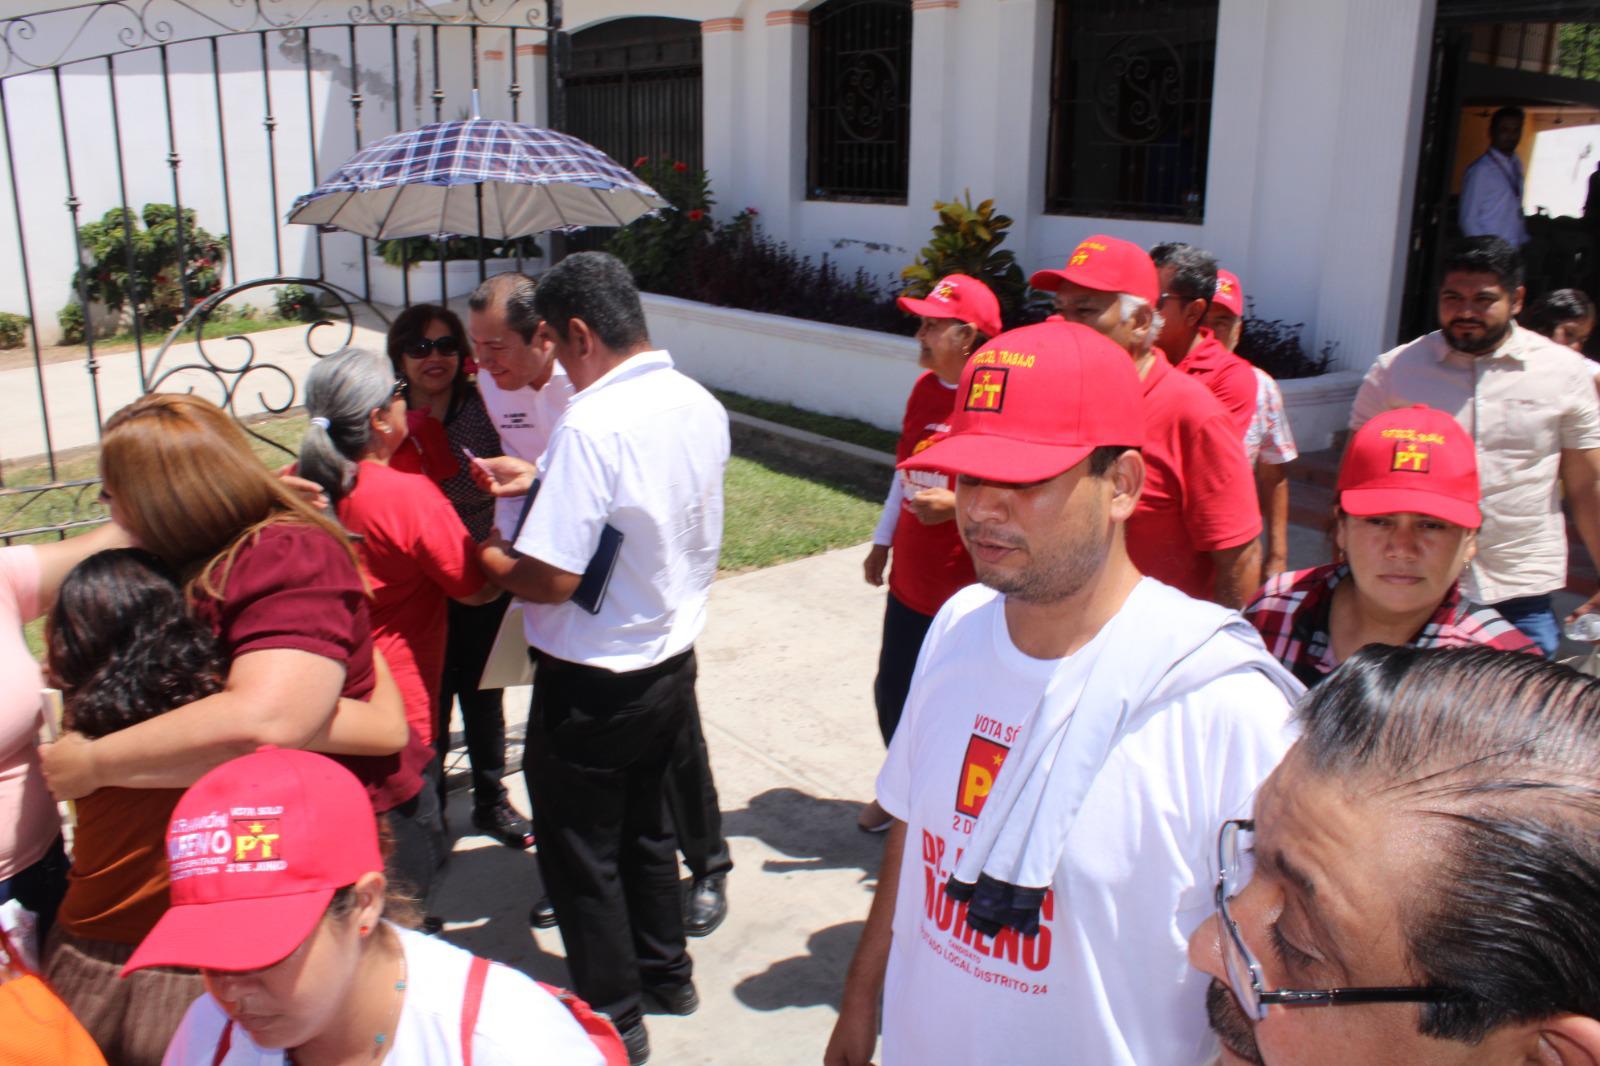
<point>845,429</point>
<point>772,516</point>
<point>215,327</point>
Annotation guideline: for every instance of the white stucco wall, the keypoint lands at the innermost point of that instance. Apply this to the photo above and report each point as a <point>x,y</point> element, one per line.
<point>1314,127</point>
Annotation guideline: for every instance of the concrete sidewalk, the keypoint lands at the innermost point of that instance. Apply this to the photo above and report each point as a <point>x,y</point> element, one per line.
<point>786,667</point>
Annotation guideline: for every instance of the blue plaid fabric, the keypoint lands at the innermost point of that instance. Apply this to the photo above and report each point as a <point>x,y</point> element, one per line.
<point>474,150</point>
<point>502,179</point>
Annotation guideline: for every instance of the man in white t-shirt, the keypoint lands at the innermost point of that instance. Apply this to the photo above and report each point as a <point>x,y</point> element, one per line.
<point>1073,737</point>
<point>616,559</point>
<point>523,387</point>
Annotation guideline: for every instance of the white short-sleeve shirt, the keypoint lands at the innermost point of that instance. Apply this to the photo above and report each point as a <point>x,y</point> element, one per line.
<point>524,419</point>
<point>642,450</point>
<point>1106,979</point>
<point>514,1015</point>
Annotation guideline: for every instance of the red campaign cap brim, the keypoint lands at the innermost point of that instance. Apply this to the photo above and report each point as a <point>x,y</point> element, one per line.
<point>1047,280</point>
<point>237,934</point>
<point>1367,502</point>
<point>995,458</point>
<point>932,309</point>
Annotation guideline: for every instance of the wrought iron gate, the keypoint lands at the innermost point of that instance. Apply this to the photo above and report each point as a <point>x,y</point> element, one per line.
<point>217,112</point>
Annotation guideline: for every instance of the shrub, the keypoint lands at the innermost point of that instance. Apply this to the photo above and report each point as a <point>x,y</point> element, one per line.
<point>294,304</point>
<point>155,285</point>
<point>72,323</point>
<point>967,240</point>
<point>1275,346</point>
<point>657,248</point>
<point>409,251</point>
<point>13,329</point>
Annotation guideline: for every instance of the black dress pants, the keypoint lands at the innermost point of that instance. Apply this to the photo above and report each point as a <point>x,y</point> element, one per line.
<point>599,747</point>
<point>692,799</point>
<point>472,633</point>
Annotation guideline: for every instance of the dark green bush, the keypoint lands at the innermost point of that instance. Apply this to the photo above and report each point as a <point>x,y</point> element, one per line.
<point>13,329</point>
<point>71,320</point>
<point>967,241</point>
<point>155,285</point>
<point>1275,346</point>
<point>294,304</point>
<point>409,251</point>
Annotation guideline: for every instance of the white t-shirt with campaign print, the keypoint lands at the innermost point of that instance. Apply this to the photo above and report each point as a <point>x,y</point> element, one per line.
<point>1105,981</point>
<point>524,418</point>
<point>517,1022</point>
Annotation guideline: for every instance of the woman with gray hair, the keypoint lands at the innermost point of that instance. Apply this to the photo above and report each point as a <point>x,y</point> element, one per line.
<point>416,554</point>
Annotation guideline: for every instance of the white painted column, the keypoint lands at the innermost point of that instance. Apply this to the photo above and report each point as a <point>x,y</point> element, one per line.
<point>533,74</point>
<point>935,136</point>
<point>1015,68</point>
<point>1380,100</point>
<point>722,92</point>
<point>778,150</point>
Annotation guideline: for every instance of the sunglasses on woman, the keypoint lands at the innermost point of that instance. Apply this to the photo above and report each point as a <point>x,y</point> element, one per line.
<point>446,345</point>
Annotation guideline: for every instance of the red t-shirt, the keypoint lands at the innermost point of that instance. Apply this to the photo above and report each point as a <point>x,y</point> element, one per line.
<point>1199,494</point>
<point>417,555</point>
<point>294,586</point>
<point>928,564</point>
<point>1231,379</point>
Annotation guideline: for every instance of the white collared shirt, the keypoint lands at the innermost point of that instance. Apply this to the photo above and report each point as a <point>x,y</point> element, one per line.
<point>1523,404</point>
<point>1491,198</point>
<point>642,450</point>
<point>524,418</point>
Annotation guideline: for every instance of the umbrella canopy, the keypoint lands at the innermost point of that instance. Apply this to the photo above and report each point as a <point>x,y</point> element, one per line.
<point>426,181</point>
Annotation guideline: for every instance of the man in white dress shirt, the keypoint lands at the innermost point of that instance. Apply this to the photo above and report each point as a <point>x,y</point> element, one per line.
<point>1491,190</point>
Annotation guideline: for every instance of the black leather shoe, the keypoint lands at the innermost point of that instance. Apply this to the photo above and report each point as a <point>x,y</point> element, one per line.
<point>681,1000</point>
<point>707,906</point>
<point>637,1041</point>
<point>543,915</point>
<point>504,824</point>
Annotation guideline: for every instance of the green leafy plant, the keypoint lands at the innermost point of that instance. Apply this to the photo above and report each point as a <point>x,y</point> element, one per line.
<point>657,248</point>
<point>295,304</point>
<point>133,262</point>
<point>409,251</point>
<point>13,329</point>
<point>967,240</point>
<point>72,323</point>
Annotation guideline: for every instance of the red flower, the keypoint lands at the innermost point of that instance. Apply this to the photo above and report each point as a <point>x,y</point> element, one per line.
<point>641,161</point>
<point>696,215</point>
<point>680,167</point>
<point>752,212</point>
<point>161,279</point>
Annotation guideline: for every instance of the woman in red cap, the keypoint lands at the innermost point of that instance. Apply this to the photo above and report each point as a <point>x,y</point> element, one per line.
<point>278,899</point>
<point>918,527</point>
<point>1406,524</point>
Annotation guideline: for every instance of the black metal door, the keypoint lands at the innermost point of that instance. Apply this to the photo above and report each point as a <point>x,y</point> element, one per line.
<point>632,89</point>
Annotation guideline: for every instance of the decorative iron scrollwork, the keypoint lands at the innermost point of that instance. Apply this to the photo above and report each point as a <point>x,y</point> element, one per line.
<point>869,94</point>
<point>43,39</point>
<point>223,380</point>
<point>1142,88</point>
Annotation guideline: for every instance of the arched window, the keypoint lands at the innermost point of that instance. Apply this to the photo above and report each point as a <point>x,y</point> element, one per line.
<point>860,100</point>
<point>1130,108</point>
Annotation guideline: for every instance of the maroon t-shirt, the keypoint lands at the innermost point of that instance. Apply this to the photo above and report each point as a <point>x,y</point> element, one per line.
<point>294,586</point>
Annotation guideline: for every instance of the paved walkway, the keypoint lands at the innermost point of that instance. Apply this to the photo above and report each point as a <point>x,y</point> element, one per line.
<point>786,666</point>
<point>70,391</point>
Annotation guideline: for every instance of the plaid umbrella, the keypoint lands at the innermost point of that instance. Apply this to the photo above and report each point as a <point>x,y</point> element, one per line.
<point>427,181</point>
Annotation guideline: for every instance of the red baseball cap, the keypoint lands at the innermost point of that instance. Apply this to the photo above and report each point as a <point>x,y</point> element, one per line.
<point>1230,293</point>
<point>256,849</point>
<point>1412,459</point>
<point>961,297</point>
<point>1035,402</point>
<point>1106,264</point>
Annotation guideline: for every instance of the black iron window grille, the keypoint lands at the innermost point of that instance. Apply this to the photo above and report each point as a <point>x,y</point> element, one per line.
<point>1130,108</point>
<point>633,89</point>
<point>860,101</point>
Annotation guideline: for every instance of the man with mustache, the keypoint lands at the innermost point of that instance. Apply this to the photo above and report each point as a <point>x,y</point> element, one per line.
<point>1073,734</point>
<point>1416,884</point>
<point>1529,405</point>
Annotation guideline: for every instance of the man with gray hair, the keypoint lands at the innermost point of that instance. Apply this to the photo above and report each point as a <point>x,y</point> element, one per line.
<point>1416,882</point>
<point>1197,521</point>
<point>1188,283</point>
